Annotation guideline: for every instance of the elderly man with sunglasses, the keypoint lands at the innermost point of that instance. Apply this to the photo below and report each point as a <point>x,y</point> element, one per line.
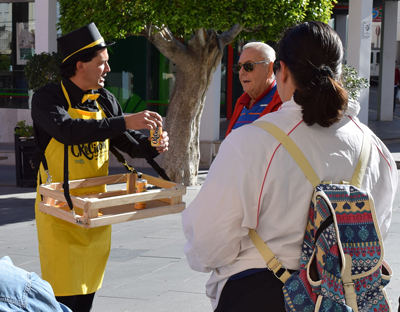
<point>260,97</point>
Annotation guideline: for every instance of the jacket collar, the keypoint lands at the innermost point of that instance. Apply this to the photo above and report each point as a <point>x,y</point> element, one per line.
<point>245,98</point>
<point>76,94</point>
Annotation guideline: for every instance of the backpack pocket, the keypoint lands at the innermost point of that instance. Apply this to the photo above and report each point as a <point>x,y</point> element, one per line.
<point>386,273</point>
<point>298,293</point>
<point>327,305</point>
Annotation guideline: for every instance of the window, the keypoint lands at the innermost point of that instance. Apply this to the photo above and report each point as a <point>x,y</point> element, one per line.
<point>17,46</point>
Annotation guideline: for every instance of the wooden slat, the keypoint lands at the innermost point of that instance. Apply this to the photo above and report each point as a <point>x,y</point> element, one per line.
<point>112,179</point>
<point>53,186</point>
<point>106,194</point>
<point>176,200</point>
<point>59,213</point>
<point>166,200</point>
<point>76,201</point>
<point>137,197</point>
<point>158,182</point>
<point>88,212</point>
<point>135,215</point>
<point>130,184</point>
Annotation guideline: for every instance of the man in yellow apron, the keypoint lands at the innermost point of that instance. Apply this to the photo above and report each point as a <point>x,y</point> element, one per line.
<point>73,259</point>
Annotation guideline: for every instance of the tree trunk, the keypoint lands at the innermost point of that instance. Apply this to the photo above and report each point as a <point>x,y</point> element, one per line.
<point>183,125</point>
<point>184,113</point>
<point>196,63</point>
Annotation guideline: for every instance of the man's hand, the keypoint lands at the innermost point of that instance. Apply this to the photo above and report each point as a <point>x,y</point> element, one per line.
<point>165,143</point>
<point>143,120</point>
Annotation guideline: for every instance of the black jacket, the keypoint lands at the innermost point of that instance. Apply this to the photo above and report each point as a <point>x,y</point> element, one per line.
<point>51,120</point>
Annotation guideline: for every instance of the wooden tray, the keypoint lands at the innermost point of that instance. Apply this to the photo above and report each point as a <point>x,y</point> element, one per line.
<point>112,206</point>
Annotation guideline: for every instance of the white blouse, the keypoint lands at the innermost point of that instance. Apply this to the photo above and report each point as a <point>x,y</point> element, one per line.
<point>254,183</point>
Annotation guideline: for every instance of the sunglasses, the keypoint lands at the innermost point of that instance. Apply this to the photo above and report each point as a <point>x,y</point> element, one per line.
<point>249,67</point>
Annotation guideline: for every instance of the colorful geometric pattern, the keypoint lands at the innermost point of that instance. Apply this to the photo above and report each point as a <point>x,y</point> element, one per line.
<point>353,230</point>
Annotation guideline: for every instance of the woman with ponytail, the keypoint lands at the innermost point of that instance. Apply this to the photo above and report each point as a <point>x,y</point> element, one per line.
<point>270,193</point>
<point>315,65</point>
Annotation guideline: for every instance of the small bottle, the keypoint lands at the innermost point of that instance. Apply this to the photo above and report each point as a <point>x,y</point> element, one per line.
<point>156,136</point>
<point>140,186</point>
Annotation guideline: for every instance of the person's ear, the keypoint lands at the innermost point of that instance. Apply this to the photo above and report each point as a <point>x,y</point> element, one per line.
<point>284,70</point>
<point>80,66</point>
<point>270,69</point>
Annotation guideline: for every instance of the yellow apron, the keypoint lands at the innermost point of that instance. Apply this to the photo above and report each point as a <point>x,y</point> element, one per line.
<point>73,259</point>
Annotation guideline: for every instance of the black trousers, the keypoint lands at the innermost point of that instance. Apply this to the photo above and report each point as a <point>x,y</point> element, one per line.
<point>78,303</point>
<point>259,292</point>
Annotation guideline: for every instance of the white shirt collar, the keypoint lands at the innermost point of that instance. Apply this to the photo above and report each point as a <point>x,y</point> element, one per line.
<point>353,107</point>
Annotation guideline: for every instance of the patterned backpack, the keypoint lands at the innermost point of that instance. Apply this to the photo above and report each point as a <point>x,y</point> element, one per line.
<point>341,264</point>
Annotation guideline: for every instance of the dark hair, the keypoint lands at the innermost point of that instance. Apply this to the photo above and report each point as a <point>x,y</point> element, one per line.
<point>313,53</point>
<point>67,69</point>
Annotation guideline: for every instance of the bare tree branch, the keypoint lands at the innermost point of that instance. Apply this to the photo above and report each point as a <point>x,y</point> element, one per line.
<point>228,36</point>
<point>200,38</point>
<point>254,29</point>
<point>219,42</point>
<point>149,28</point>
<point>168,45</point>
<point>164,31</point>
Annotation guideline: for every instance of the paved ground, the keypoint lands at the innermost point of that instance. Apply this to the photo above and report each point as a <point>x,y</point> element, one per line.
<point>147,270</point>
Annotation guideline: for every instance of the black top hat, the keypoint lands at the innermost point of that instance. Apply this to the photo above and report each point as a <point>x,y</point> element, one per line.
<point>77,42</point>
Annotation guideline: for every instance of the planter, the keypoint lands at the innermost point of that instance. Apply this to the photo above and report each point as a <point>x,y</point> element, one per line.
<point>24,151</point>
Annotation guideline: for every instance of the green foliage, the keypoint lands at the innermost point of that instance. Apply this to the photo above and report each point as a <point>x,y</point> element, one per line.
<point>23,130</point>
<point>42,69</point>
<point>262,20</point>
<point>5,62</point>
<point>352,82</point>
<point>319,10</point>
<point>121,18</point>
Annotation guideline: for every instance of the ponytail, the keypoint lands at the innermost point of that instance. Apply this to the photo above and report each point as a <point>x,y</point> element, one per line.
<point>313,53</point>
<point>323,99</point>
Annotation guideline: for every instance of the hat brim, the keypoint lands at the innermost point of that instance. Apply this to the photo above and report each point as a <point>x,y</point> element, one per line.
<point>77,55</point>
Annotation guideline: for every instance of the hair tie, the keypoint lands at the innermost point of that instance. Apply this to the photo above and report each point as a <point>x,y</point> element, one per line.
<point>325,71</point>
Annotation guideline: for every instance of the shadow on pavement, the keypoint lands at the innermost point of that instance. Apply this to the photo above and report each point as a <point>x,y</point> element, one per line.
<point>17,204</point>
<point>14,210</point>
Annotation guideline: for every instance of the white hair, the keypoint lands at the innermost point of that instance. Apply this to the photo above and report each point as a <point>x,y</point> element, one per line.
<point>265,50</point>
